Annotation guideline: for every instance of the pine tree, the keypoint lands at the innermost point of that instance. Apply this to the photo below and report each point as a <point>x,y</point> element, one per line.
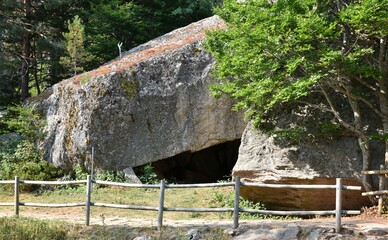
<point>77,55</point>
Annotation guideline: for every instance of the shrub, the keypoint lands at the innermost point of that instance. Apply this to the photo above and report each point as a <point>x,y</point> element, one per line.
<point>225,198</point>
<point>19,155</point>
<point>26,162</point>
<point>146,174</point>
<point>111,176</point>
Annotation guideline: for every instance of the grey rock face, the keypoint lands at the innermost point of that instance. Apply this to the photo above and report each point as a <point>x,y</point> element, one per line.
<point>130,175</point>
<point>151,104</point>
<point>263,159</point>
<point>287,233</point>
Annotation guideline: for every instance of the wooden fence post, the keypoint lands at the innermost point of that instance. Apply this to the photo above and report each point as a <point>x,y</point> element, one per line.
<point>16,195</point>
<point>161,204</point>
<point>338,205</point>
<point>88,197</point>
<point>236,202</point>
<point>381,188</point>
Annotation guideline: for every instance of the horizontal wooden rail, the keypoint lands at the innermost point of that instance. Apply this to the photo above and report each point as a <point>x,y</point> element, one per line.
<point>52,205</point>
<point>198,209</point>
<point>52,182</point>
<point>200,185</point>
<point>7,181</point>
<point>298,213</point>
<point>134,185</point>
<point>375,172</point>
<point>288,213</point>
<point>316,186</point>
<point>266,185</point>
<point>382,192</point>
<point>352,188</point>
<point>383,175</point>
<point>122,206</point>
<point>7,204</point>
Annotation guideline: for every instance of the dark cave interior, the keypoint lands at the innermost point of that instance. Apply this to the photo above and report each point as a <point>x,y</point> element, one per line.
<point>205,166</point>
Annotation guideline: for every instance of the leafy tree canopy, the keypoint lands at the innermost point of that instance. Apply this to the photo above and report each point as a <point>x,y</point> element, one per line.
<point>274,52</point>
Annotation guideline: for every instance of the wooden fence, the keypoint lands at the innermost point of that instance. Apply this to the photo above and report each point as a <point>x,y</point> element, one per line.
<point>383,191</point>
<point>338,187</point>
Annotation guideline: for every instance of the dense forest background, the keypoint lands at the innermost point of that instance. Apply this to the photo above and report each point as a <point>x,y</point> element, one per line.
<point>36,44</point>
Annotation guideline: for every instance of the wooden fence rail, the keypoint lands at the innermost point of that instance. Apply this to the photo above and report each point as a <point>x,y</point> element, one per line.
<point>381,194</point>
<point>338,187</point>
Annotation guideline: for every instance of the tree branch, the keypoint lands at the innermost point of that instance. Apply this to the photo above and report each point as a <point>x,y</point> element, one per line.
<point>360,80</point>
<point>337,115</point>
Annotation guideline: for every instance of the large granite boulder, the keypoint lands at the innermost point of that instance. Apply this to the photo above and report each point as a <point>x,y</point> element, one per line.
<point>264,159</point>
<point>151,104</point>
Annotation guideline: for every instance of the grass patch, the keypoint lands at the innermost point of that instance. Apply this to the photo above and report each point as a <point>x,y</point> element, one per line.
<point>28,228</point>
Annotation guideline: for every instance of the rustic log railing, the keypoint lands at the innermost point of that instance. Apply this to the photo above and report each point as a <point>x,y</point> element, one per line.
<point>338,187</point>
<point>381,193</point>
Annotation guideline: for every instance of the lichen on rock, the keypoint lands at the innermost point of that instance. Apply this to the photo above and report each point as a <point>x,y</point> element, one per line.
<point>151,104</point>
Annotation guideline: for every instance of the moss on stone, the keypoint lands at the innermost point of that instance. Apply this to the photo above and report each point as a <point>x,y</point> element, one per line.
<point>129,84</point>
<point>84,79</point>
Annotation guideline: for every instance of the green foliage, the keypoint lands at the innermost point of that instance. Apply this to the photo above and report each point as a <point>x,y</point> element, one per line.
<point>84,79</point>
<point>104,175</point>
<point>23,120</point>
<point>293,135</point>
<point>225,199</point>
<point>330,129</point>
<point>270,65</point>
<point>380,137</point>
<point>147,174</point>
<point>292,48</point>
<point>79,173</point>
<point>135,22</point>
<point>77,55</point>
<point>19,155</point>
<point>26,162</point>
<point>111,176</point>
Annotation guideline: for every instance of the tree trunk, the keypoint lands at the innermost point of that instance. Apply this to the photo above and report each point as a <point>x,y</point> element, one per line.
<point>383,83</point>
<point>363,142</point>
<point>384,111</point>
<point>34,59</point>
<point>26,54</point>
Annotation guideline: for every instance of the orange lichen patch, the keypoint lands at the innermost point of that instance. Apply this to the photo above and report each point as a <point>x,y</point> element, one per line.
<point>171,41</point>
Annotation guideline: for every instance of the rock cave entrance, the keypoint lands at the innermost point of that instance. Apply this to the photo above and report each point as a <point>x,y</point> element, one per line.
<point>206,166</point>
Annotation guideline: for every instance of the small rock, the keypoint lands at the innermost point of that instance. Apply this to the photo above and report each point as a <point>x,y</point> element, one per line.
<point>193,234</point>
<point>142,238</point>
<point>204,229</point>
<point>375,231</point>
<point>231,231</point>
<point>314,235</point>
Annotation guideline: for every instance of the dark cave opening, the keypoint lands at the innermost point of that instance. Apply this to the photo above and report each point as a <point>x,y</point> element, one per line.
<point>205,166</point>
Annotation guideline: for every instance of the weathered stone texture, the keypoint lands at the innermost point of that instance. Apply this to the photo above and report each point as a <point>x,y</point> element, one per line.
<point>263,159</point>
<point>152,104</point>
